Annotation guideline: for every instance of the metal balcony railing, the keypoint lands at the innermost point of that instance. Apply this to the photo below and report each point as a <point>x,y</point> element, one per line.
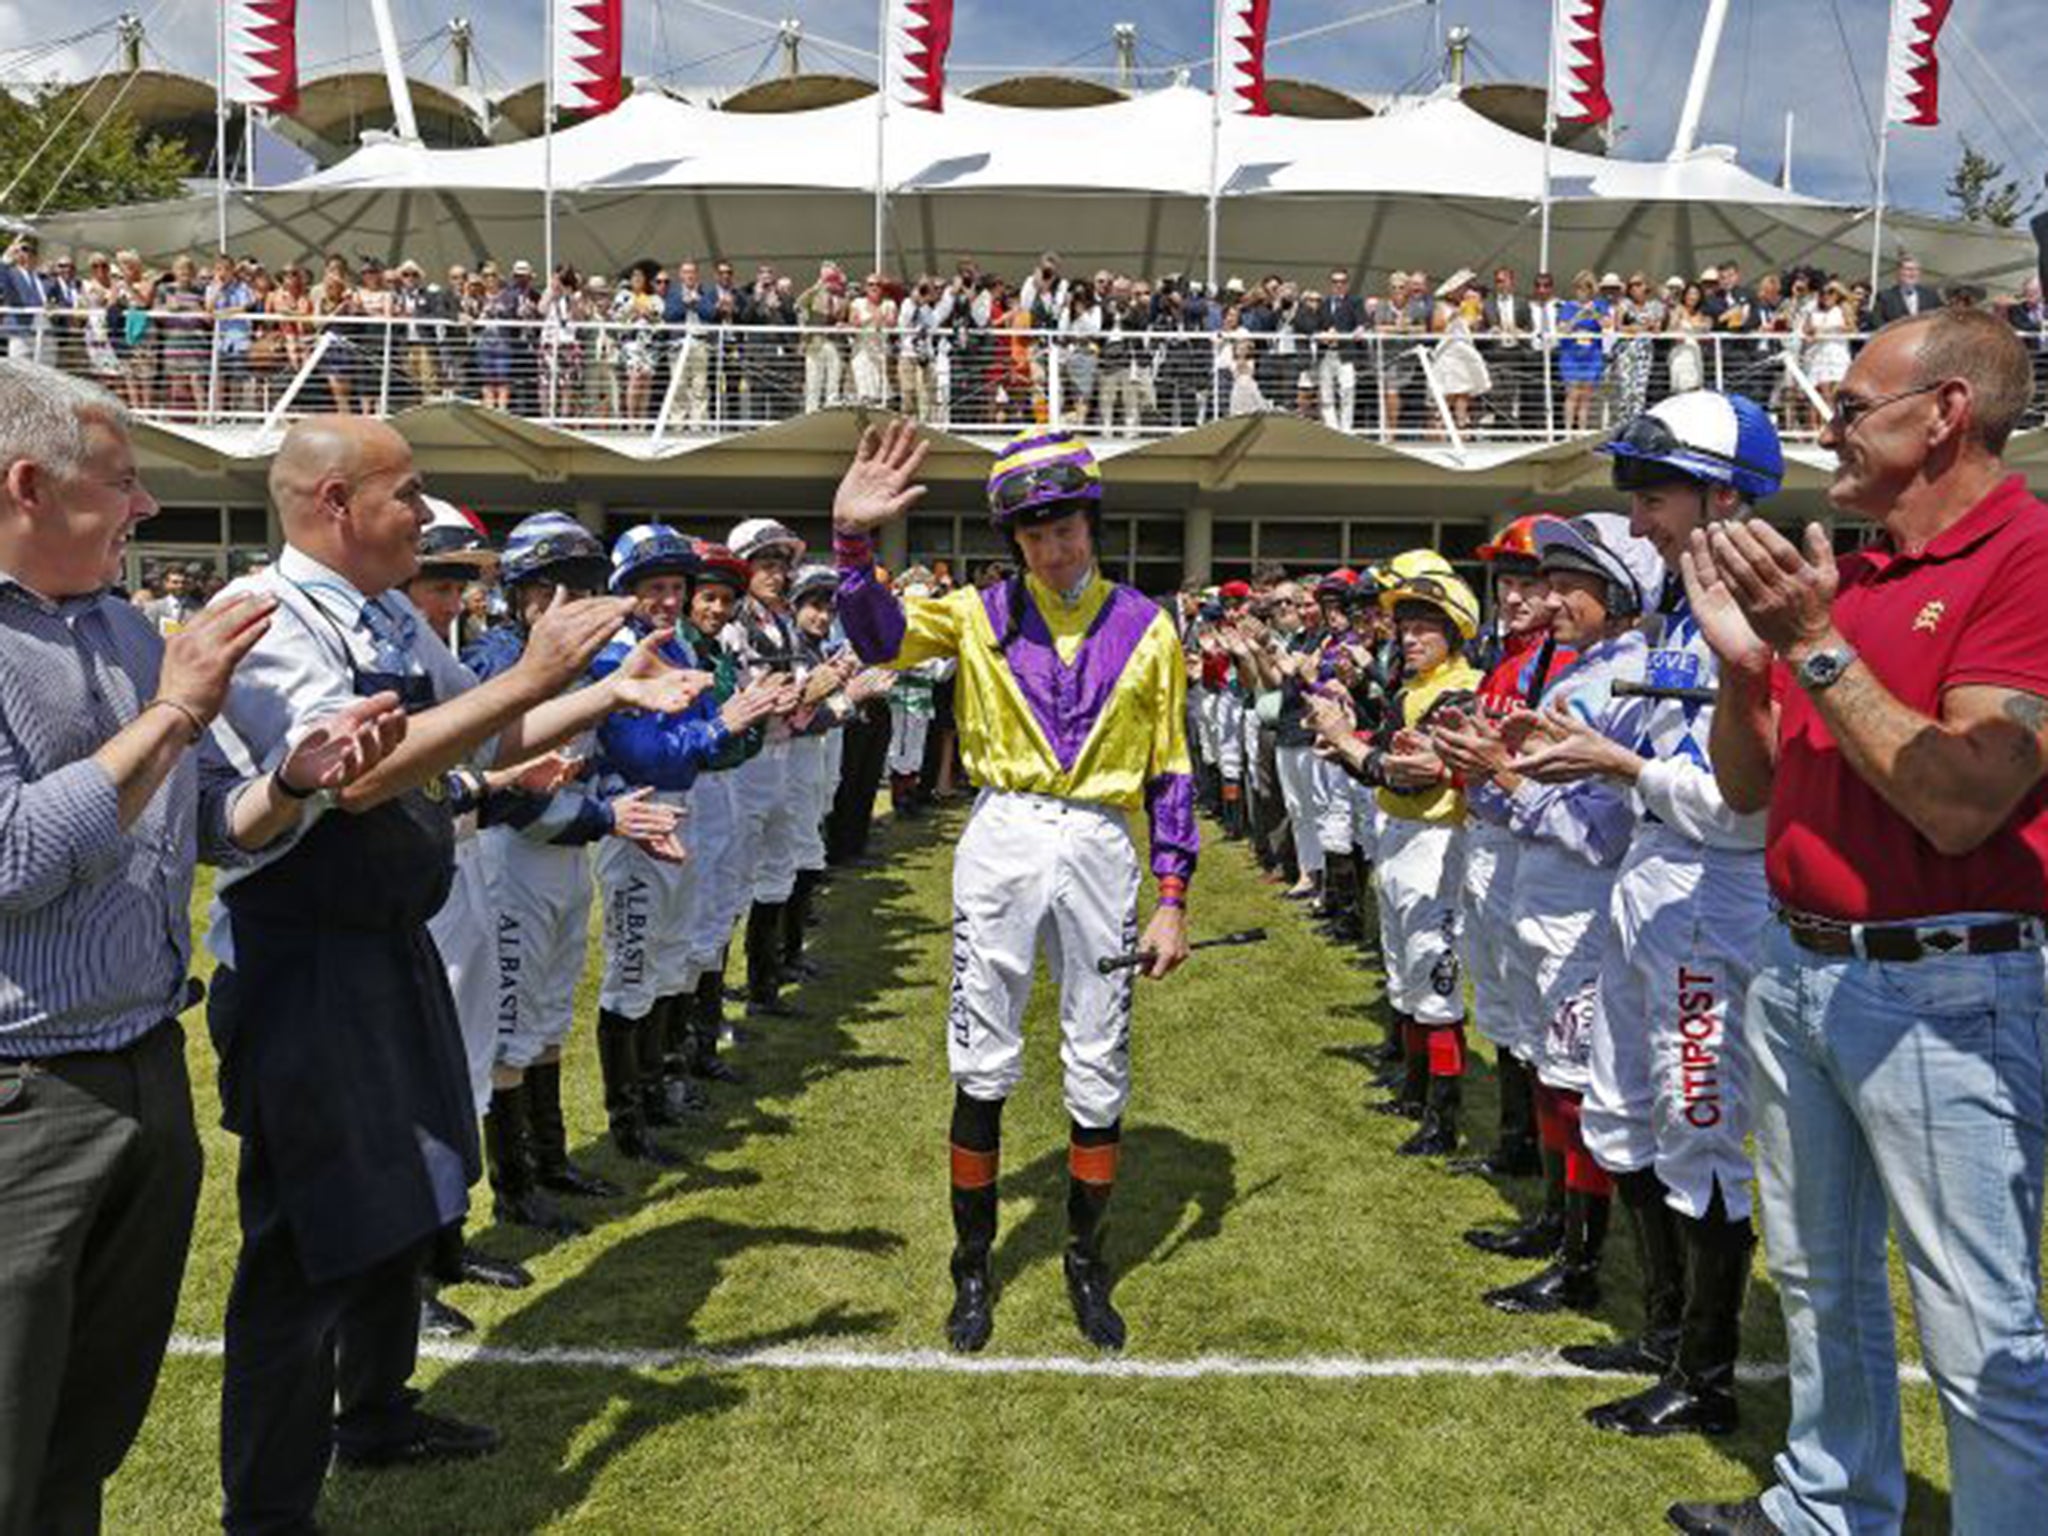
<point>661,382</point>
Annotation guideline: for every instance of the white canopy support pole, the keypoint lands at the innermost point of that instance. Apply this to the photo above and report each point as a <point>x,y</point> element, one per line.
<point>1785,171</point>
<point>547,158</point>
<point>395,85</point>
<point>1549,140</point>
<point>220,130</point>
<point>881,128</point>
<point>1683,141</point>
<point>1884,144</point>
<point>1215,139</point>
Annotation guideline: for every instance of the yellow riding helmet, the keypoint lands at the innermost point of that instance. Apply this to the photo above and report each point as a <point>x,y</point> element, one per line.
<point>1414,562</point>
<point>1444,592</point>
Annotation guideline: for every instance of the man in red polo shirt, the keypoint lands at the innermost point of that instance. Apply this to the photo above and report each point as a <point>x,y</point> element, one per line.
<point>1891,710</point>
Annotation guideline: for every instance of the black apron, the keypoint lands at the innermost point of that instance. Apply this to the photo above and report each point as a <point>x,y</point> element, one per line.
<point>341,1058</point>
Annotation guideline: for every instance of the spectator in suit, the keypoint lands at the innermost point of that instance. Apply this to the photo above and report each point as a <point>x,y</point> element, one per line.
<point>23,300</point>
<point>1342,321</point>
<point>1907,296</point>
<point>1508,321</point>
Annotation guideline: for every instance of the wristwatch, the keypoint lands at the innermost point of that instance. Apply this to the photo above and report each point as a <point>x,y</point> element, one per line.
<point>1823,669</point>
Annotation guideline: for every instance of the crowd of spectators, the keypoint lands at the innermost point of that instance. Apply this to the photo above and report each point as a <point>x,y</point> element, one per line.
<point>702,347</point>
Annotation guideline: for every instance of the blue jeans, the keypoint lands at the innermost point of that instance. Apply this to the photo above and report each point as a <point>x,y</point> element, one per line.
<point>1915,1095</point>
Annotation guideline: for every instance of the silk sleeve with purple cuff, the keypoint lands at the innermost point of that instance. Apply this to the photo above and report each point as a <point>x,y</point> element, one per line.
<point>1170,808</point>
<point>1170,786</point>
<point>868,610</point>
<point>884,632</point>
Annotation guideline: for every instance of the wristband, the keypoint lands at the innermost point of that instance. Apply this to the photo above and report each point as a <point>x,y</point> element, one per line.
<point>852,549</point>
<point>277,778</point>
<point>191,716</point>
<point>1173,891</point>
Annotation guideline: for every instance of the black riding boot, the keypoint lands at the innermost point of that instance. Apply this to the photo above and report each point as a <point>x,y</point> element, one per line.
<point>1660,1256</point>
<point>677,1012</point>
<point>650,1062</point>
<point>1408,1099</point>
<point>1541,1235</point>
<point>796,920</point>
<point>764,961</point>
<point>1439,1133</point>
<point>618,1055</point>
<point>706,1022</point>
<point>1514,1155</point>
<point>1088,1277</point>
<point>974,1147</point>
<point>1338,911</point>
<point>972,1319</point>
<point>508,1152</point>
<point>1574,1280</point>
<point>1697,1395</point>
<point>551,1166</point>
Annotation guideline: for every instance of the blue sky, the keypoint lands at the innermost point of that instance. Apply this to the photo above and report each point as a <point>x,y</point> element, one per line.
<point>1778,55</point>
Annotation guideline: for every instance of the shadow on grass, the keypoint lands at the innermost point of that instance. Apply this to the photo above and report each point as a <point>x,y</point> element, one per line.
<point>1169,1185</point>
<point>564,1426</point>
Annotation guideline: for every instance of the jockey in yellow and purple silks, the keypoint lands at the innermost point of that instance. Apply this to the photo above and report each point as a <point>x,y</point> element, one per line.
<point>1071,703</point>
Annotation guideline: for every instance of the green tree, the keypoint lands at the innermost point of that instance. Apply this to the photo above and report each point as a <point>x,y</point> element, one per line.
<point>115,163</point>
<point>1979,194</point>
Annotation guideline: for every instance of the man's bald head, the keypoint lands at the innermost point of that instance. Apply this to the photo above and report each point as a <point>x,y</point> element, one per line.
<point>347,494</point>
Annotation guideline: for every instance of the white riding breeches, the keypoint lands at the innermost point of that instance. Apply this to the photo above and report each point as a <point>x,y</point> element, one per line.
<point>1418,877</point>
<point>1669,1069</point>
<point>541,897</point>
<point>462,933</point>
<point>1033,871</point>
<point>648,905</point>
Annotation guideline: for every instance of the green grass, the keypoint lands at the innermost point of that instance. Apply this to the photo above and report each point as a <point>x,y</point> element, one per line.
<point>1259,1213</point>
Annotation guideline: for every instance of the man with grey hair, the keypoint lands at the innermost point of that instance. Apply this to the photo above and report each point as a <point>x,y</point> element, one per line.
<point>110,793</point>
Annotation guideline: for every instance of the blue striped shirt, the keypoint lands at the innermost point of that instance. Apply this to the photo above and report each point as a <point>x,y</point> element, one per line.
<point>95,925</point>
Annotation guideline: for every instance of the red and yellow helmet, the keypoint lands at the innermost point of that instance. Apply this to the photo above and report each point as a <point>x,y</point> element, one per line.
<point>1514,547</point>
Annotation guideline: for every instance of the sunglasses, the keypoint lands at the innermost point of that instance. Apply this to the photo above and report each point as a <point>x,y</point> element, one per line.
<point>1849,410</point>
<point>1059,479</point>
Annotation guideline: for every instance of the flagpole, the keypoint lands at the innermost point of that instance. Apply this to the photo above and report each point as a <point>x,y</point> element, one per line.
<point>1884,144</point>
<point>1549,139</point>
<point>547,153</point>
<point>881,127</point>
<point>220,128</point>
<point>1215,137</point>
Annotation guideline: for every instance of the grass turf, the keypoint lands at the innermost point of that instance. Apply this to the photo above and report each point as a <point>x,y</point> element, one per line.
<point>1259,1213</point>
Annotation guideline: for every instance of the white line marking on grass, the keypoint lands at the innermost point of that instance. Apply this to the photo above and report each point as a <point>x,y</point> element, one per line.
<point>1533,1366</point>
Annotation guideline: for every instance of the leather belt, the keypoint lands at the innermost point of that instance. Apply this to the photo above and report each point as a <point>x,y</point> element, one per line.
<point>1903,943</point>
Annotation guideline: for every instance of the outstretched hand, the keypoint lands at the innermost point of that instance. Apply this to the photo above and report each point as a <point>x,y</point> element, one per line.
<point>881,483</point>
<point>1716,611</point>
<point>345,745</point>
<point>1786,591</point>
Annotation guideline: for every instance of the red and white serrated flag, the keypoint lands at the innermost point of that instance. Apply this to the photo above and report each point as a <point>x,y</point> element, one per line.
<point>1912,74</point>
<point>589,56</point>
<point>920,32</point>
<point>263,54</point>
<point>1241,56</point>
<point>1578,63</point>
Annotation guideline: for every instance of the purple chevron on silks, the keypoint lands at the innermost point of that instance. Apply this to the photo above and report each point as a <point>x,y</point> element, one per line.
<point>1170,808</point>
<point>1068,700</point>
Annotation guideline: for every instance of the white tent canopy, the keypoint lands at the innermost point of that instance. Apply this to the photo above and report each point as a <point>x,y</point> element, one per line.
<point>1433,185</point>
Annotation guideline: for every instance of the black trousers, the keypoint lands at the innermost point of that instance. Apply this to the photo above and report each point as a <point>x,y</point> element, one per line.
<point>99,1178</point>
<point>860,778</point>
<point>293,1345</point>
